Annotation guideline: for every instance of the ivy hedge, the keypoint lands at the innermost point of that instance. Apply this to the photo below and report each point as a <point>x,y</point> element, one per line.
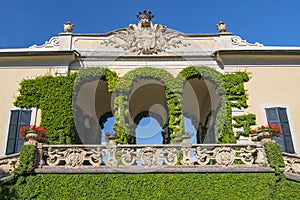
<point>26,185</point>
<point>26,160</point>
<point>54,95</point>
<point>151,186</point>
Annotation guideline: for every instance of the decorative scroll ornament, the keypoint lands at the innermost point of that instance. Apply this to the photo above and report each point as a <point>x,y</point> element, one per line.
<point>73,157</point>
<point>171,158</point>
<point>145,38</point>
<point>247,155</point>
<point>52,43</point>
<point>203,156</point>
<point>236,40</point>
<point>224,155</point>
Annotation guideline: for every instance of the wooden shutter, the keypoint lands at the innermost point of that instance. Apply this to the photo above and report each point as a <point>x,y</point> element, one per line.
<point>18,118</point>
<point>278,115</point>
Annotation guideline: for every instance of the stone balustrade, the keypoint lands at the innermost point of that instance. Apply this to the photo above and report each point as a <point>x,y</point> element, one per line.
<point>292,164</point>
<point>141,158</point>
<point>184,157</point>
<point>8,164</point>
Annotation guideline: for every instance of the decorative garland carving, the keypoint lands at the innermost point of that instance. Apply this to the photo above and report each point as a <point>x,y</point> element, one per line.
<point>227,155</point>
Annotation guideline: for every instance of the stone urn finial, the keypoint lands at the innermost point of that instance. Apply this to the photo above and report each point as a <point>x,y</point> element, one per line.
<point>68,27</point>
<point>221,26</point>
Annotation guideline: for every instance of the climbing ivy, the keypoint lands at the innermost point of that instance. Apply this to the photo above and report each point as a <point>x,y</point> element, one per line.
<point>244,121</point>
<point>90,74</point>
<point>237,97</point>
<point>162,186</point>
<point>53,95</point>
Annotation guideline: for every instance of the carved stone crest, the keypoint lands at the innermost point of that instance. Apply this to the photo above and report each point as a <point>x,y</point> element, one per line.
<point>224,155</point>
<point>145,38</point>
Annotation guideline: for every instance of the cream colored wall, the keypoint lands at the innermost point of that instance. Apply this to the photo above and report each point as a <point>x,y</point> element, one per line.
<point>275,87</point>
<point>9,85</point>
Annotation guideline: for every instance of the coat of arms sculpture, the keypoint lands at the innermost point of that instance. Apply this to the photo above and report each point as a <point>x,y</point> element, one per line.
<point>145,38</point>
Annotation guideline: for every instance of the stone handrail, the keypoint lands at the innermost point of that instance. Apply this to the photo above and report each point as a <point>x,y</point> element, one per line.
<point>8,164</point>
<point>182,155</point>
<point>292,163</point>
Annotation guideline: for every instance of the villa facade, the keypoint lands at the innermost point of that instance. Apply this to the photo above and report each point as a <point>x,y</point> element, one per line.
<point>272,91</point>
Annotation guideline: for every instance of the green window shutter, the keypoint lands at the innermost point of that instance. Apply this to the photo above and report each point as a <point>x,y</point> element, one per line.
<point>278,115</point>
<point>286,132</point>
<point>12,132</point>
<point>18,118</point>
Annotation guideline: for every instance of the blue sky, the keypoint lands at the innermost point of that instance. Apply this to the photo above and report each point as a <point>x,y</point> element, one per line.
<point>24,23</point>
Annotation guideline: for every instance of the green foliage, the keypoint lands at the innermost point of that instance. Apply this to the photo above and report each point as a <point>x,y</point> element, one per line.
<point>121,125</point>
<point>236,97</point>
<point>90,74</point>
<point>244,121</point>
<point>274,155</point>
<point>283,188</point>
<point>53,95</point>
<point>153,186</point>
<point>235,90</point>
<point>27,159</point>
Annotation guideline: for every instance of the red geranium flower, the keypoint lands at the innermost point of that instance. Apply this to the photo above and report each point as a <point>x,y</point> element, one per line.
<point>41,132</point>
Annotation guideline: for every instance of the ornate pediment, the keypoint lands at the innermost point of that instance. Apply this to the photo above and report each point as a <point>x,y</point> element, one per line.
<point>145,38</point>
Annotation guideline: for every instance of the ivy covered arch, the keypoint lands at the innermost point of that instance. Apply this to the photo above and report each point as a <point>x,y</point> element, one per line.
<point>53,96</point>
<point>92,102</point>
<point>215,103</point>
<point>125,88</point>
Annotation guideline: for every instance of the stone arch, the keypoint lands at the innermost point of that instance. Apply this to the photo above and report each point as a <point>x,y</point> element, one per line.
<point>103,118</point>
<point>203,100</point>
<point>148,82</point>
<point>92,102</point>
<point>160,119</point>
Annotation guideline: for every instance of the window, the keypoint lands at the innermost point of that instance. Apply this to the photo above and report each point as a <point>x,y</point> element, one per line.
<point>18,118</point>
<point>278,115</point>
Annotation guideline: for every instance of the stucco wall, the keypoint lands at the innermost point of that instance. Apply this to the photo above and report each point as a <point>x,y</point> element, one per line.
<point>275,87</point>
<point>10,80</point>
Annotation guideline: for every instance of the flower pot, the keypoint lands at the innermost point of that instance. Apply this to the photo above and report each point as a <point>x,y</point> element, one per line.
<point>32,137</point>
<point>261,135</point>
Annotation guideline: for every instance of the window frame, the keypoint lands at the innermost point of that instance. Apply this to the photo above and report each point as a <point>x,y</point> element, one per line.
<point>290,120</point>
